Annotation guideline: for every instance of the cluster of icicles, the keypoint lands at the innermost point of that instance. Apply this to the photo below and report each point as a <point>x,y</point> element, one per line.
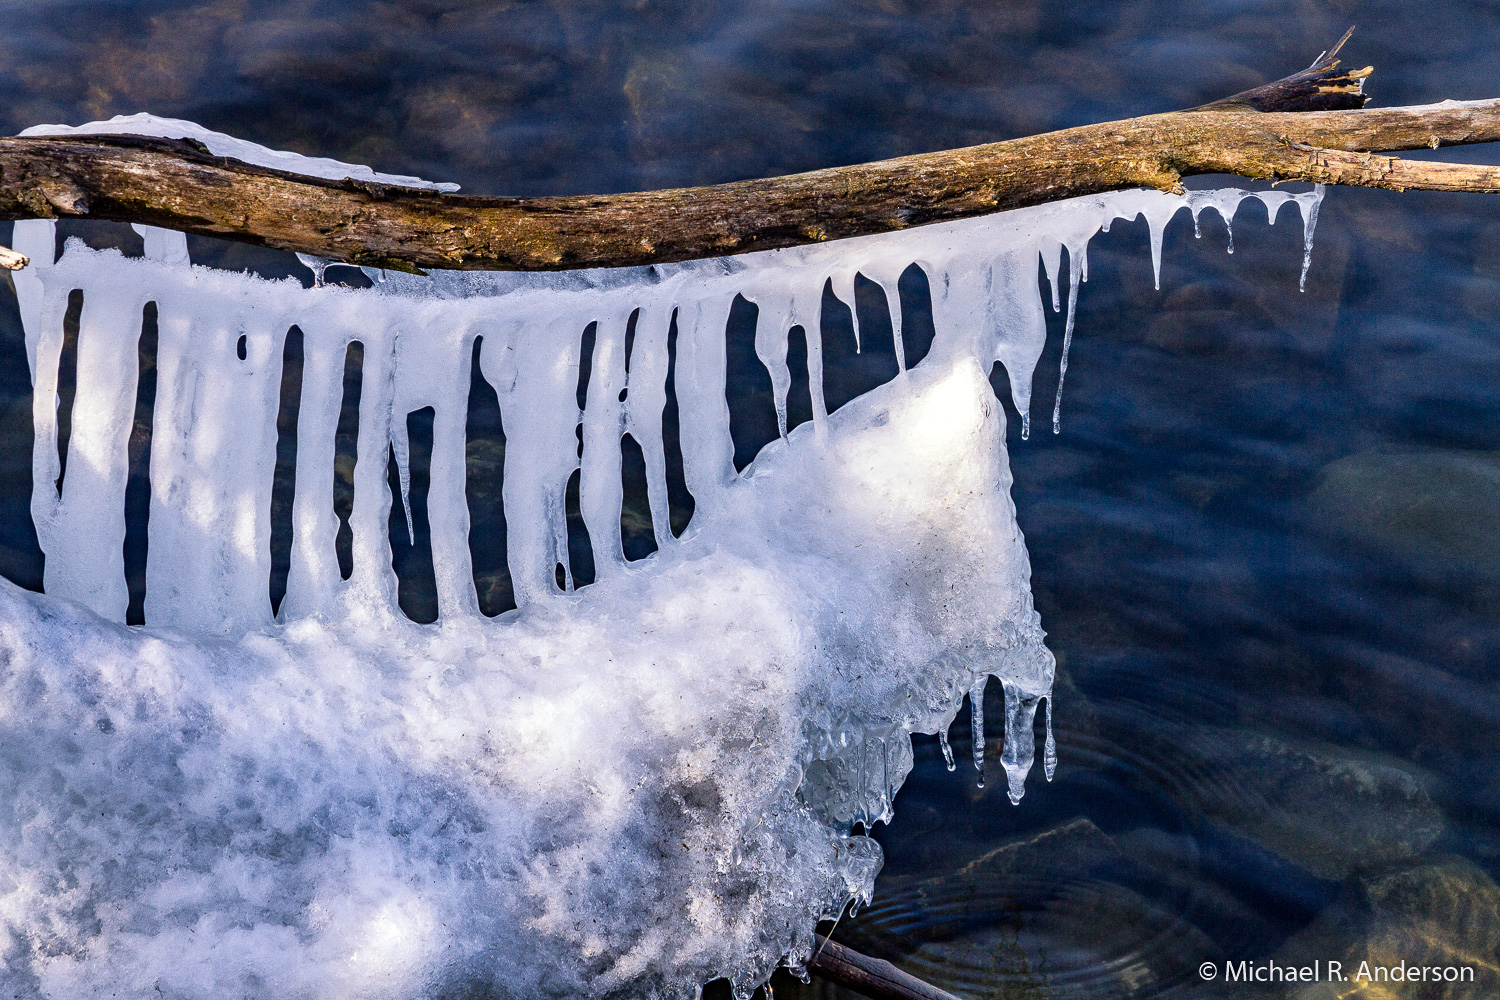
<point>622,790</point>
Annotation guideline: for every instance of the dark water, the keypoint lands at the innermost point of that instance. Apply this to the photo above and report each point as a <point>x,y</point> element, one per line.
<point>1266,544</point>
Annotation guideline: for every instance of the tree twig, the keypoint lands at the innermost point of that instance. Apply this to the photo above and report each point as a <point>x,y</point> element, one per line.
<point>873,977</point>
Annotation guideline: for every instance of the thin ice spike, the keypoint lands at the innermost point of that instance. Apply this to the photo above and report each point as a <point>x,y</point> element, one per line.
<point>1074,276</point>
<point>976,724</point>
<point>1049,749</point>
<point>1309,223</point>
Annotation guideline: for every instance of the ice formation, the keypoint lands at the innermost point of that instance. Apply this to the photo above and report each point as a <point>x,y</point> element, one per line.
<point>626,789</point>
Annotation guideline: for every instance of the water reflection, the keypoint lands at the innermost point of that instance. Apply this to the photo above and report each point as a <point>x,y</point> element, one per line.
<point>1264,544</point>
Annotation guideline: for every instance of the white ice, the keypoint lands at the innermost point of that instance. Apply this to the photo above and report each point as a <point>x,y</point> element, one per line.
<point>623,790</point>
<point>220,144</point>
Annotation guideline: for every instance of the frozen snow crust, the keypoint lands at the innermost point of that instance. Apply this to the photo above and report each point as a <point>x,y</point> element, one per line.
<point>220,144</point>
<point>623,790</point>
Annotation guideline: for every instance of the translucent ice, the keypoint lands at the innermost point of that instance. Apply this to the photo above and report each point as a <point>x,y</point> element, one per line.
<point>623,790</point>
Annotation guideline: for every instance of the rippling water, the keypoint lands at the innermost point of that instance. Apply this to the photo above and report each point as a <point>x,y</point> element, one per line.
<point>1266,543</point>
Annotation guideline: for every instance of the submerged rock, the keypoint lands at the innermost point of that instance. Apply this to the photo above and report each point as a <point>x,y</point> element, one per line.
<point>1437,512</point>
<point>1441,915</point>
<point>1328,809</point>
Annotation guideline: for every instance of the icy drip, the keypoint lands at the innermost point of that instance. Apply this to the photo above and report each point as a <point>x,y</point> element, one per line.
<point>1020,742</point>
<point>1077,269</point>
<point>976,725</point>
<point>401,452</point>
<point>646,387</point>
<point>1310,217</point>
<point>317,265</point>
<point>1049,754</point>
<point>841,282</point>
<point>947,749</point>
<point>747,693</point>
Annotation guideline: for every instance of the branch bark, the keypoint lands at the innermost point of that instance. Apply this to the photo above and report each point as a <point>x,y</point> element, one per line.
<point>872,977</point>
<point>178,185</point>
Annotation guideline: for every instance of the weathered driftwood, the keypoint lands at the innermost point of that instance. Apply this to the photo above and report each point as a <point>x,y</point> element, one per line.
<point>178,185</point>
<point>873,977</point>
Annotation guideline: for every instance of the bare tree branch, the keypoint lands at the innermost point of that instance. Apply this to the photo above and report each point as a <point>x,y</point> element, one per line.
<point>178,185</point>
<point>873,977</point>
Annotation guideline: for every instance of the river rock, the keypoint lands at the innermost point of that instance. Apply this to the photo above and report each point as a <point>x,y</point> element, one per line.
<point>1437,512</point>
<point>1328,809</point>
<point>1438,915</point>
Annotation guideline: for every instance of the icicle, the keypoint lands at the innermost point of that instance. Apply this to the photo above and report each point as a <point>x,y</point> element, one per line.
<point>37,239</point>
<point>707,451</point>
<point>772,325</point>
<point>843,289</point>
<point>373,583</point>
<point>601,491</point>
<point>896,339</point>
<point>1273,200</point>
<point>976,724</point>
<point>1052,261</point>
<point>1197,227</point>
<point>813,337</point>
<point>1309,223</point>
<point>1229,228</point>
<point>313,577</point>
<point>1020,742</point>
<point>947,749</point>
<point>317,265</point>
<point>1074,276</point>
<point>1158,229</point>
<point>645,402</point>
<point>1049,749</point>
<point>862,782</point>
<point>892,288</point>
<point>887,812</point>
<point>401,446</point>
<point>1025,426</point>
